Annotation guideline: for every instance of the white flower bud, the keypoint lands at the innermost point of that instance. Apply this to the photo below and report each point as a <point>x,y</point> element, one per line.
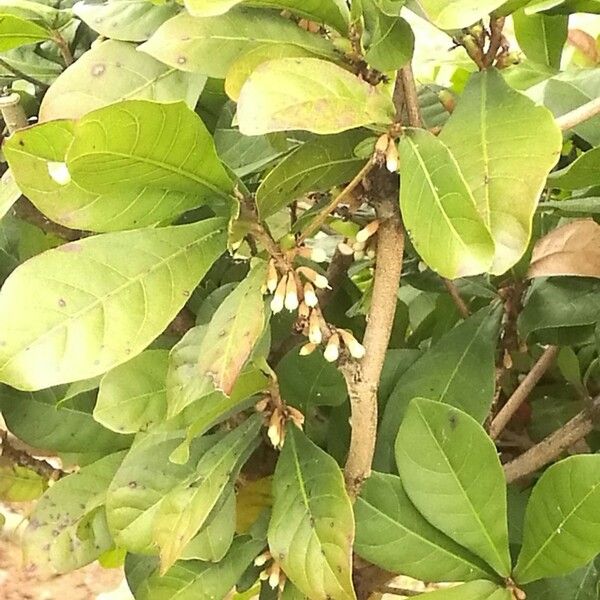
<point>345,249</point>
<point>278,300</point>
<point>319,280</point>
<point>332,350</point>
<point>307,349</point>
<point>356,349</point>
<point>261,559</point>
<point>274,576</point>
<point>318,255</point>
<point>291,293</point>
<point>314,328</point>
<point>366,232</point>
<point>310,297</point>
<point>272,277</point>
<point>392,157</point>
<point>381,145</point>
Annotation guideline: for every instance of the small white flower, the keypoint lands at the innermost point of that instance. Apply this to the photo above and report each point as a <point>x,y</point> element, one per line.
<point>59,172</point>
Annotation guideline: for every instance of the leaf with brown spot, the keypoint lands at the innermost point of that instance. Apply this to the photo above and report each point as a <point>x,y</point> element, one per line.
<point>573,249</point>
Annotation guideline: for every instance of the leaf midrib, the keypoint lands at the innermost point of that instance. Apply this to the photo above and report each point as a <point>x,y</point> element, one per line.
<point>462,489</point>
<point>102,299</point>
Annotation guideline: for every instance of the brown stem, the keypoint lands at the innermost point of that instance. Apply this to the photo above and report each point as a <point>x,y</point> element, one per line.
<point>522,392</point>
<point>323,214</point>
<point>362,378</point>
<point>335,272</point>
<point>63,47</point>
<point>579,115</point>
<point>411,99</point>
<point>496,37</point>
<point>554,445</point>
<point>23,459</point>
<point>22,75</point>
<point>394,591</point>
<point>461,305</point>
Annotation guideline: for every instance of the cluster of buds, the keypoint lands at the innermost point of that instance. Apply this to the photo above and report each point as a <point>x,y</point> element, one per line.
<point>363,244</point>
<point>272,571</point>
<point>277,416</point>
<point>337,338</point>
<point>290,292</point>
<point>386,152</point>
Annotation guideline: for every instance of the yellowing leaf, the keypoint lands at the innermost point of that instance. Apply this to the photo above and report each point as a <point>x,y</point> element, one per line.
<point>573,249</point>
<point>252,498</point>
<point>310,94</point>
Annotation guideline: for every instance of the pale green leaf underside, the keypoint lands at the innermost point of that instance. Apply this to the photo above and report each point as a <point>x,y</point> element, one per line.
<point>67,529</point>
<point>142,481</point>
<point>439,210</point>
<point>562,522</point>
<point>317,165</point>
<point>312,525</point>
<point>474,590</point>
<point>133,396</point>
<point>114,71</point>
<point>81,309</point>
<point>310,94</point>
<point>210,45</point>
<point>127,20</point>
<point>504,146</point>
<point>391,533</point>
<point>455,14</point>
<point>583,172</point>
<point>189,506</point>
<point>452,474</point>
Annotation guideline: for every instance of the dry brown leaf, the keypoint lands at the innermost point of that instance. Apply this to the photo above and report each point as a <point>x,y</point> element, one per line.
<point>573,249</point>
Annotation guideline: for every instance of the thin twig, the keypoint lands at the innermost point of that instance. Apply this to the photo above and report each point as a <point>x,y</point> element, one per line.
<point>323,214</point>
<point>554,445</point>
<point>23,459</point>
<point>335,271</point>
<point>26,211</point>
<point>22,75</point>
<point>496,37</point>
<point>579,115</point>
<point>388,589</point>
<point>461,305</point>
<point>63,47</point>
<point>411,99</point>
<point>522,392</point>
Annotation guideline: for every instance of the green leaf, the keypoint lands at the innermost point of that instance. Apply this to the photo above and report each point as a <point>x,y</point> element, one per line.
<point>454,14</point>
<point>583,172</point>
<point>46,421</point>
<point>209,8</point>
<point>33,151</point>
<point>541,37</point>
<point>582,584</point>
<point>20,484</point>
<point>560,303</point>
<point>242,68</point>
<point>133,396</point>
<point>309,381</point>
<point>330,12</point>
<point>187,507</point>
<point>474,590</point>
<point>439,210</point>
<point>159,146</point>
<point>25,59</point>
<point>38,12</point>
<point>67,529</point>
<point>390,40</point>
<point>211,357</point>
<point>562,522</point>
<point>127,20</point>
<point>144,478</point>
<point>574,206</point>
<point>15,32</point>
<point>81,309</point>
<point>9,192</point>
<point>316,166</point>
<point>458,370</point>
<point>114,71</point>
<point>392,534</point>
<point>571,89</point>
<point>310,94</point>
<point>505,146</point>
<point>210,45</point>
<point>312,526</point>
<point>192,580</point>
<point>215,538</point>
<point>451,472</point>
